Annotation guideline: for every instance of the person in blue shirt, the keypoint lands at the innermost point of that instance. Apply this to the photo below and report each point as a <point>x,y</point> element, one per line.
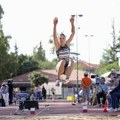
<point>38,95</point>
<point>102,90</point>
<point>65,64</point>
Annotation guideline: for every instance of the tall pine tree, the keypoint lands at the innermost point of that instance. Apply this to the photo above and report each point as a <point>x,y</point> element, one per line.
<point>39,53</point>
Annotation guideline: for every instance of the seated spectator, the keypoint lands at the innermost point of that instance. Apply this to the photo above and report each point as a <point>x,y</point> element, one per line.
<point>22,96</point>
<point>80,93</point>
<point>80,96</point>
<point>2,102</point>
<point>114,81</point>
<point>102,90</point>
<point>93,99</point>
<point>115,99</point>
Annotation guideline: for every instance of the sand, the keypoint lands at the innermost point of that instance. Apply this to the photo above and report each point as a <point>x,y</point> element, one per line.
<point>65,117</point>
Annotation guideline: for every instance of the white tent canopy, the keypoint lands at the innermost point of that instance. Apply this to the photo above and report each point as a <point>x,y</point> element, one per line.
<point>106,74</point>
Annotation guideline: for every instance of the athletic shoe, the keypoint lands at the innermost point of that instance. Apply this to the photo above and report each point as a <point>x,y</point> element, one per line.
<point>67,81</point>
<point>97,106</point>
<point>119,109</point>
<point>112,110</point>
<point>116,109</point>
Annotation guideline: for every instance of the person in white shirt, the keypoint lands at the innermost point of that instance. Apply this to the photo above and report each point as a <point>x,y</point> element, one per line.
<point>5,94</point>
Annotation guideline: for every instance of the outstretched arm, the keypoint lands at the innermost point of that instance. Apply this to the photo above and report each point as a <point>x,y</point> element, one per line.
<point>55,38</point>
<point>72,31</point>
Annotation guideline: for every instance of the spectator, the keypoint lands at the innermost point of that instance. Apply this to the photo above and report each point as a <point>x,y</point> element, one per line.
<point>0,90</point>
<point>114,81</point>
<point>115,97</point>
<point>44,93</point>
<point>2,102</point>
<point>10,91</point>
<point>97,80</point>
<point>93,99</point>
<point>38,95</point>
<point>102,90</point>
<point>86,86</point>
<point>14,97</point>
<point>32,94</point>
<point>32,97</point>
<point>5,94</point>
<point>53,94</point>
<point>80,93</point>
<point>114,78</point>
<point>22,96</point>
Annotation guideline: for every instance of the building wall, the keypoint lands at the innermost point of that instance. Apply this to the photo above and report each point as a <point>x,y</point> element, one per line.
<point>58,89</point>
<point>61,91</point>
<point>68,91</point>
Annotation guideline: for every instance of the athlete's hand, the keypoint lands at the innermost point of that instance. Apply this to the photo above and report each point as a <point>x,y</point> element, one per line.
<point>55,21</point>
<point>72,19</point>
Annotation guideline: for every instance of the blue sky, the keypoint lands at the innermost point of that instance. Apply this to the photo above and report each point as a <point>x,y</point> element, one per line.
<point>31,21</point>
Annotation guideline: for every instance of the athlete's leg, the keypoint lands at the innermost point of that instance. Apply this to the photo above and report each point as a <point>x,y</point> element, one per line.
<point>69,68</point>
<point>60,68</point>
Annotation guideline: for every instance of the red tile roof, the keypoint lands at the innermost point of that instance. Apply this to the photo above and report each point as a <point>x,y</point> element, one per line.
<point>52,75</point>
<point>86,65</point>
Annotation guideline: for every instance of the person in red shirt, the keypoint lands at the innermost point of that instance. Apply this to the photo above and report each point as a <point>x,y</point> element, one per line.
<point>86,87</point>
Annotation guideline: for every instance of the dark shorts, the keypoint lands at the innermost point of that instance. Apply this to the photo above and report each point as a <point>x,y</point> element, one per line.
<point>66,64</point>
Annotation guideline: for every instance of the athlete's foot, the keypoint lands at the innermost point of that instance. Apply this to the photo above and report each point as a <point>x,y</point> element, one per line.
<point>67,80</point>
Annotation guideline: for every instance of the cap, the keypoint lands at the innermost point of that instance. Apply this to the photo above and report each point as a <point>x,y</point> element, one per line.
<point>85,74</point>
<point>113,70</point>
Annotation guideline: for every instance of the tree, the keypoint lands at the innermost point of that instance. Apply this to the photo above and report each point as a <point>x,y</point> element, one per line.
<point>16,49</point>
<point>110,53</point>
<point>39,56</point>
<point>8,62</point>
<point>52,50</point>
<point>11,65</point>
<point>47,65</point>
<point>39,53</point>
<point>37,78</point>
<point>109,59</point>
<point>26,64</point>
<point>1,12</point>
<point>118,44</point>
<point>4,56</point>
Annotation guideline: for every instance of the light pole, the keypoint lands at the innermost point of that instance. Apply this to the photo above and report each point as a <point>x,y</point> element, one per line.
<point>89,36</point>
<point>0,28</point>
<point>118,55</point>
<point>76,32</point>
<point>1,13</point>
